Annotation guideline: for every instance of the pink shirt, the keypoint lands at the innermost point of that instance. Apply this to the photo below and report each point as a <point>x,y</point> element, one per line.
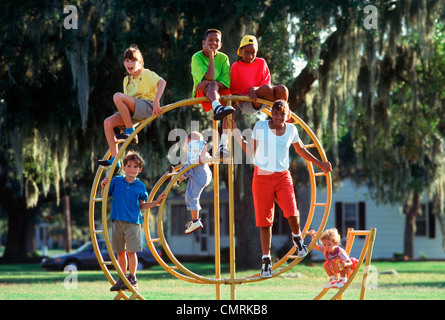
<point>244,76</point>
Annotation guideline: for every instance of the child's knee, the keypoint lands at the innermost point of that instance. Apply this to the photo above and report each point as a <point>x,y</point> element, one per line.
<point>281,92</point>
<point>107,123</point>
<point>117,97</point>
<point>212,87</point>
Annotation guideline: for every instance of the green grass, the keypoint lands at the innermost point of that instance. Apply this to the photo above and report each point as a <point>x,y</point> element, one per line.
<point>414,280</point>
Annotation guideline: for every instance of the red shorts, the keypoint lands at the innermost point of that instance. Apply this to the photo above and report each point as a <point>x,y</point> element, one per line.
<point>267,188</point>
<point>208,105</point>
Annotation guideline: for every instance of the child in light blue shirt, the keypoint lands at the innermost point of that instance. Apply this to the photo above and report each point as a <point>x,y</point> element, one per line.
<point>199,177</point>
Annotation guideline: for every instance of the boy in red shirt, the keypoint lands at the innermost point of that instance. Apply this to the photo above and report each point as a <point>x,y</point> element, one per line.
<point>250,76</point>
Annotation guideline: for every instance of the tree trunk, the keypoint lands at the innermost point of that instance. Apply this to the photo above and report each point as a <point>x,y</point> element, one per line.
<point>67,219</point>
<point>411,211</point>
<point>17,240</point>
<point>436,209</point>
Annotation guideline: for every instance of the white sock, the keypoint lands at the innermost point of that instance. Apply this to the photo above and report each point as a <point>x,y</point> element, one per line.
<point>266,256</point>
<point>224,140</point>
<point>296,235</point>
<point>215,104</point>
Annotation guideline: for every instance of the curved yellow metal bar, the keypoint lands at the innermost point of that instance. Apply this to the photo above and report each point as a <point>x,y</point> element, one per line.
<point>94,232</point>
<point>193,277</point>
<point>190,276</point>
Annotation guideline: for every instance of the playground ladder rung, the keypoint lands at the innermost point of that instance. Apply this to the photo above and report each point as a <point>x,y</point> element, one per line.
<point>291,256</point>
<point>319,204</point>
<point>319,174</point>
<point>155,240</point>
<point>108,263</point>
<point>97,199</point>
<point>98,231</point>
<point>312,145</point>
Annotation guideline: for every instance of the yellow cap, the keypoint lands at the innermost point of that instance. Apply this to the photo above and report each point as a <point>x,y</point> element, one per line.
<point>247,40</point>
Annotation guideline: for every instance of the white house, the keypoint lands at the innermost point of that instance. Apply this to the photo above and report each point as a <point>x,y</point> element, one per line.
<point>352,207</point>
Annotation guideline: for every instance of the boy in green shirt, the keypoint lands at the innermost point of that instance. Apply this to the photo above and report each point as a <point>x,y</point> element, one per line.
<point>211,74</point>
<point>211,78</point>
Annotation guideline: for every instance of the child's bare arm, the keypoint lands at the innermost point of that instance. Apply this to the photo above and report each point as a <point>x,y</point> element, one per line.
<point>103,183</point>
<point>156,102</point>
<point>248,147</point>
<point>313,234</point>
<point>149,205</point>
<point>301,150</point>
<point>346,263</point>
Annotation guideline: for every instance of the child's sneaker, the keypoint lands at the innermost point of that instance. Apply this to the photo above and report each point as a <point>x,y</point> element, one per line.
<point>221,112</point>
<point>300,246</point>
<point>107,163</point>
<point>125,136</point>
<point>118,285</point>
<point>193,226</point>
<point>266,269</point>
<point>223,152</point>
<point>330,283</point>
<point>133,281</point>
<point>340,283</point>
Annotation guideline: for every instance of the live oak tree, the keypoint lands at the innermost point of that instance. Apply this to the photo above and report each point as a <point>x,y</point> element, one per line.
<point>371,91</point>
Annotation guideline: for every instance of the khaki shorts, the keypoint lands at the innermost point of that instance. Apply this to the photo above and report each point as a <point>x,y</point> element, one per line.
<point>247,107</point>
<point>143,109</point>
<point>126,236</point>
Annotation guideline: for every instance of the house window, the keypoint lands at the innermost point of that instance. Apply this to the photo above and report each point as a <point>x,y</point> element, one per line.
<point>421,221</point>
<point>350,215</point>
<point>425,222</point>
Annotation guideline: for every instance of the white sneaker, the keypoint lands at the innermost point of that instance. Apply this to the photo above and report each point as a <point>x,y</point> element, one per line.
<point>300,247</point>
<point>193,226</point>
<point>266,269</point>
<point>221,112</point>
<point>340,283</point>
<point>223,152</point>
<point>330,283</point>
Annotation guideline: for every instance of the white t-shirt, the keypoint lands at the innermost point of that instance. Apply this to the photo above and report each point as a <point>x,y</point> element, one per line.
<point>272,153</point>
<point>194,150</point>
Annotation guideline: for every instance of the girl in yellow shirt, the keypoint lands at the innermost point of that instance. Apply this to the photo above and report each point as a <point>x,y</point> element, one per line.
<point>143,90</point>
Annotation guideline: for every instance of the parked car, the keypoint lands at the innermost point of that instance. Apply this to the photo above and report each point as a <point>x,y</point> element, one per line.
<point>85,258</point>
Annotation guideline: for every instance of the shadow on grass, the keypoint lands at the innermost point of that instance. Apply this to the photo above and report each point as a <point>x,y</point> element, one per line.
<point>34,273</point>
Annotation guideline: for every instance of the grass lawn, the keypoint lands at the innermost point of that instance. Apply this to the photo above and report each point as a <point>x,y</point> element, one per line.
<point>418,280</point>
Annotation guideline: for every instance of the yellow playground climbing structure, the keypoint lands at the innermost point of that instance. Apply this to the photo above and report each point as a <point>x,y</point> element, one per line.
<point>318,207</point>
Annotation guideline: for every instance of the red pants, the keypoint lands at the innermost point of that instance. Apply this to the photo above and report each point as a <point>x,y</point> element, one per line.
<point>267,188</point>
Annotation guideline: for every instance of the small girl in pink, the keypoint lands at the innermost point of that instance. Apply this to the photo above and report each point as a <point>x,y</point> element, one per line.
<point>250,76</point>
<point>338,263</point>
